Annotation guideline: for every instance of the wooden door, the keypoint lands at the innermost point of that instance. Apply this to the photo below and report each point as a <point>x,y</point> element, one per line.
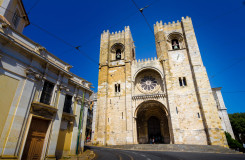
<point>35,139</point>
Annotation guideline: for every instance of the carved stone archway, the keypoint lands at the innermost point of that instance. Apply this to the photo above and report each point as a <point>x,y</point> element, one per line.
<point>152,122</point>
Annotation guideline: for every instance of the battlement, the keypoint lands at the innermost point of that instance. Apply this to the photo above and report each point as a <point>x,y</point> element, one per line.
<point>117,35</point>
<point>159,26</point>
<point>145,60</point>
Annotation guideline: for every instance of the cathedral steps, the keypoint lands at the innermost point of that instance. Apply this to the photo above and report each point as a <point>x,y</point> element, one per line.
<point>176,148</point>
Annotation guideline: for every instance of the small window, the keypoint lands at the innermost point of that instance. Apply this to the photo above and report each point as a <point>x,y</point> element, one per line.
<point>198,115</point>
<point>117,88</point>
<point>118,54</point>
<point>47,92</point>
<point>67,104</point>
<point>177,110</point>
<point>16,18</point>
<point>175,44</point>
<point>182,81</point>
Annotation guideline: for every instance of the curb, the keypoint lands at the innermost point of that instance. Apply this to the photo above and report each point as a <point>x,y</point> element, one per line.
<point>168,150</point>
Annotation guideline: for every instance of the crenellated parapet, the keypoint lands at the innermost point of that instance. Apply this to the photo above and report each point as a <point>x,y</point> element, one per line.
<point>118,34</point>
<point>113,41</point>
<point>159,26</point>
<point>149,60</point>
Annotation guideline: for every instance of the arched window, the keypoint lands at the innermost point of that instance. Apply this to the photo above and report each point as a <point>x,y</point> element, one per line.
<point>118,54</point>
<point>175,41</point>
<point>117,50</point>
<point>175,44</point>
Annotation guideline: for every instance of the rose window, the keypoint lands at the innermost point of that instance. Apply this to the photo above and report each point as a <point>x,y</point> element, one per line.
<point>148,83</point>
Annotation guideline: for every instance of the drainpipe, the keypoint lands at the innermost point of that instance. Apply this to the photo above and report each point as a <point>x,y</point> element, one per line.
<point>80,124</point>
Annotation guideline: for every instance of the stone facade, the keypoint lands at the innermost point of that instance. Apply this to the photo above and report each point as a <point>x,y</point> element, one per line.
<point>13,13</point>
<point>41,101</point>
<point>168,98</point>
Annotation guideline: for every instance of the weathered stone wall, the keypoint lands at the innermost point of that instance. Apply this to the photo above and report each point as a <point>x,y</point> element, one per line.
<point>183,103</point>
<point>113,122</point>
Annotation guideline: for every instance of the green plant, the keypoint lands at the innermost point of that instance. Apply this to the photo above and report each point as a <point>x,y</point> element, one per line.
<point>234,144</point>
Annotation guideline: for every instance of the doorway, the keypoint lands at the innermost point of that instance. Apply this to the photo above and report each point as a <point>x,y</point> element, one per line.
<point>152,123</point>
<point>154,130</point>
<point>35,139</point>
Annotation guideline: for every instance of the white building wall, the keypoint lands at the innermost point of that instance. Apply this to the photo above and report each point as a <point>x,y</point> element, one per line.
<point>31,65</point>
<point>222,110</point>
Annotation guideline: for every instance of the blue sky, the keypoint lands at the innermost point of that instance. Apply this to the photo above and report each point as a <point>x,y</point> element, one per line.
<point>219,27</point>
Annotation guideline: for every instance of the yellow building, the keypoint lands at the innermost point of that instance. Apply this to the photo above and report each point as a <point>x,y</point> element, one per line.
<point>167,99</point>
<point>41,101</point>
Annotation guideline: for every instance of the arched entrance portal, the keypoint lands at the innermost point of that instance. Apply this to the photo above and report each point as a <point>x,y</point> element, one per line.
<point>152,123</point>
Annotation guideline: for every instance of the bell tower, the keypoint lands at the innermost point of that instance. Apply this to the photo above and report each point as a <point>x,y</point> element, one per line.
<point>188,89</point>
<point>117,51</point>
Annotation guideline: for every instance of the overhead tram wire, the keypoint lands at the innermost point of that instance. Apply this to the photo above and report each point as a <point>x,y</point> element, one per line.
<point>34,5</point>
<point>97,36</point>
<point>217,17</point>
<point>67,43</point>
<point>79,46</point>
<point>58,38</point>
<point>110,27</point>
<point>148,24</point>
<point>141,11</point>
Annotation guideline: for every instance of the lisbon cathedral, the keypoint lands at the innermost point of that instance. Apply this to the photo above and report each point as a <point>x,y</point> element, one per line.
<point>166,100</point>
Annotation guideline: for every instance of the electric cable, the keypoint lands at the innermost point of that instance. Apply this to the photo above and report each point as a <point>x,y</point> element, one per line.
<point>34,5</point>
<point>58,38</point>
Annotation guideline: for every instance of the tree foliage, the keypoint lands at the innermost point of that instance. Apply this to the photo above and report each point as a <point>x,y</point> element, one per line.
<point>238,125</point>
<point>234,144</point>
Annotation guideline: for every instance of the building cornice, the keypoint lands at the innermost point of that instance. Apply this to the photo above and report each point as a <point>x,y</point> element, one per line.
<point>147,96</point>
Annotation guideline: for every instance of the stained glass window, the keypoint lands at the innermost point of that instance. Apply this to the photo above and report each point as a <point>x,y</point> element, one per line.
<point>148,83</point>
